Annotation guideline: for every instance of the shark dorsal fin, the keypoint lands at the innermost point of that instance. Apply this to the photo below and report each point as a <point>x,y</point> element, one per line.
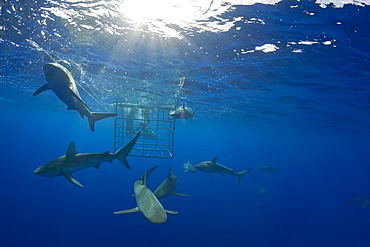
<point>73,71</point>
<point>214,159</point>
<point>71,151</point>
<point>169,173</point>
<point>146,175</point>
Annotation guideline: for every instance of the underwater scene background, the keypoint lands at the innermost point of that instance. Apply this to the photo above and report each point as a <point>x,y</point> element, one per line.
<point>272,83</point>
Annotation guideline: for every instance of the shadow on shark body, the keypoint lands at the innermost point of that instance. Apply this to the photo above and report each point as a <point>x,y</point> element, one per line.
<point>167,187</point>
<point>73,161</point>
<point>61,82</point>
<point>213,167</point>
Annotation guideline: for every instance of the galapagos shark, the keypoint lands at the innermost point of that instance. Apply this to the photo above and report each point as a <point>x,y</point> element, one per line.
<point>269,169</point>
<point>147,202</point>
<point>364,202</point>
<point>73,161</point>
<point>189,167</point>
<point>61,82</point>
<point>167,187</point>
<point>182,113</point>
<point>213,167</point>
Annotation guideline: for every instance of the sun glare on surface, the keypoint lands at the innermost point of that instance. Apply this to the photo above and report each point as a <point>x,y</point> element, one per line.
<point>160,14</point>
<point>141,11</point>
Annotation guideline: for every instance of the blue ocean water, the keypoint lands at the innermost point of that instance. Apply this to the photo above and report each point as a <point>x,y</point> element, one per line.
<point>280,83</point>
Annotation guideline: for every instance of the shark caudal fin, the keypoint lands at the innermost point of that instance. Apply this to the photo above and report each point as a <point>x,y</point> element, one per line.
<point>123,152</point>
<point>241,174</point>
<point>95,116</point>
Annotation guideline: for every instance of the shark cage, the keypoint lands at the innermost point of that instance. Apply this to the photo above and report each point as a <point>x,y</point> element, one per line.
<point>156,125</point>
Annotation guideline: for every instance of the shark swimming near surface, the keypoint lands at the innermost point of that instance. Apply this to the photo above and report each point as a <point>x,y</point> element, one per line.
<point>167,187</point>
<point>213,167</point>
<point>147,202</point>
<point>182,113</point>
<point>269,169</point>
<point>61,82</point>
<point>73,161</point>
<point>189,167</point>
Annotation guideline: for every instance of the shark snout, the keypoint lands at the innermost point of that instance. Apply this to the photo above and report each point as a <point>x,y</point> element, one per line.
<point>37,171</point>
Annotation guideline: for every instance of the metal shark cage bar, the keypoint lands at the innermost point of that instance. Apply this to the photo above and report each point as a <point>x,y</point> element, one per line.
<point>156,126</point>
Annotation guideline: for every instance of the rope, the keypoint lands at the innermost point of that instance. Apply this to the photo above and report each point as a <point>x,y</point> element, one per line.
<point>94,98</point>
<point>178,92</point>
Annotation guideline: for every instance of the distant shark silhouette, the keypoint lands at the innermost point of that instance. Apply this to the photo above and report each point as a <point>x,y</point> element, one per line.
<point>61,82</point>
<point>182,113</point>
<point>73,161</point>
<point>364,202</point>
<point>260,189</point>
<point>167,187</point>
<point>269,169</point>
<point>213,167</point>
<point>147,202</point>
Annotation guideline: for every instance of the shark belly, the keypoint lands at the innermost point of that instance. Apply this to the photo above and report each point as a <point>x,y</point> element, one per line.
<point>164,189</point>
<point>83,161</point>
<point>149,205</point>
<point>225,170</point>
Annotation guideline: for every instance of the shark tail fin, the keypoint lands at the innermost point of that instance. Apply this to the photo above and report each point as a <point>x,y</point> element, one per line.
<point>127,211</point>
<point>241,174</point>
<point>95,116</point>
<point>123,152</point>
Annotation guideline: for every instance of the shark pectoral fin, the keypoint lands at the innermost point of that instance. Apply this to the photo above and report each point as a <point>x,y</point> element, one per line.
<point>127,211</point>
<point>211,177</point>
<point>171,212</point>
<point>74,71</point>
<point>178,194</point>
<point>42,89</point>
<point>69,176</point>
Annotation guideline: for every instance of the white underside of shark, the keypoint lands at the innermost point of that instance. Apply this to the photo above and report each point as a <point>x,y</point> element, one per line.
<point>147,202</point>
